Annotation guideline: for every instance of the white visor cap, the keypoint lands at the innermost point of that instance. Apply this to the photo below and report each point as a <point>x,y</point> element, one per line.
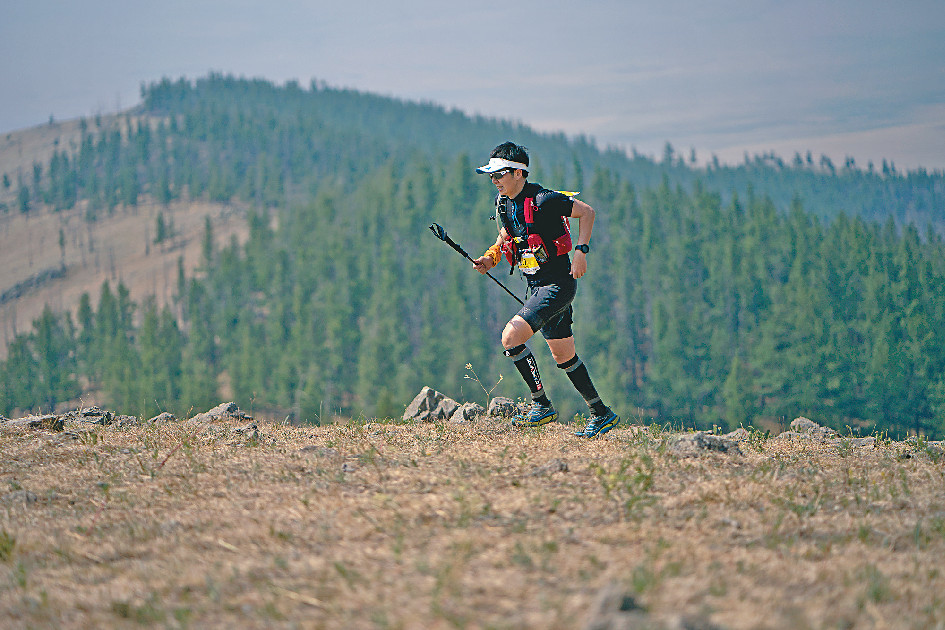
<point>497,164</point>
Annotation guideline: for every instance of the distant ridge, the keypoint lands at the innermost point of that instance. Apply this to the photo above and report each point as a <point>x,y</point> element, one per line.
<point>824,188</point>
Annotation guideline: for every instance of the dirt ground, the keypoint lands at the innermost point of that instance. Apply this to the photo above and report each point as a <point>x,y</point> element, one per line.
<point>435,525</point>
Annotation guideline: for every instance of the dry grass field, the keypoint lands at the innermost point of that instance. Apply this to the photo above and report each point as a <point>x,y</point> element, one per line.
<point>439,525</point>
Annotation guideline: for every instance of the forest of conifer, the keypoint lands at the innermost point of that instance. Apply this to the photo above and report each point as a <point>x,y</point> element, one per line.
<point>722,295</point>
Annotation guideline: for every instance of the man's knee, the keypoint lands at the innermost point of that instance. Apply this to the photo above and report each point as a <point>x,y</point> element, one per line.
<point>516,332</point>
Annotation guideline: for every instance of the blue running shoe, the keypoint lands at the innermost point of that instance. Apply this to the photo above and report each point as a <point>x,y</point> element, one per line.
<point>536,416</point>
<point>598,425</point>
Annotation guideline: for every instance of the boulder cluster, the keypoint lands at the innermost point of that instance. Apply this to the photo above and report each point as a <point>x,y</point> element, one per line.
<point>430,406</point>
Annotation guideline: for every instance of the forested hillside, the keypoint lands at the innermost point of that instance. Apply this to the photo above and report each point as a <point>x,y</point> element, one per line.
<point>719,295</point>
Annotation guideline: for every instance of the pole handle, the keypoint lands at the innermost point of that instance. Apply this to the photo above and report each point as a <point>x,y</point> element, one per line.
<point>441,234</point>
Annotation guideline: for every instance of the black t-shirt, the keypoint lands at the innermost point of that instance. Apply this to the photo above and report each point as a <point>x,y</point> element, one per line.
<point>550,206</point>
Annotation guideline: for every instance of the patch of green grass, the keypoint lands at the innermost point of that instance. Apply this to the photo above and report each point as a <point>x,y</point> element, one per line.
<point>643,579</point>
<point>937,526</point>
<point>877,586</point>
<point>799,505</point>
<point>7,544</point>
<point>758,438</point>
<point>182,616</point>
<point>20,575</point>
<point>628,484</point>
<point>845,448</point>
<point>271,611</point>
<point>351,577</point>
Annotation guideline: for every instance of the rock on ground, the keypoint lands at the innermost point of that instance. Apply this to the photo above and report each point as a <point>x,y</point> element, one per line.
<point>502,407</point>
<point>616,609</point>
<point>223,411</point>
<point>163,417</point>
<point>738,435</point>
<point>430,405</point>
<point>46,421</point>
<point>806,426</point>
<point>698,443</point>
<point>467,412</point>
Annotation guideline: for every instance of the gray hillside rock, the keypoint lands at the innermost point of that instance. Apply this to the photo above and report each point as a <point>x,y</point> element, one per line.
<point>423,405</point>
<point>803,425</point>
<point>809,427</point>
<point>127,421</point>
<point>47,421</point>
<point>502,407</point>
<point>163,417</point>
<point>935,450</point>
<point>698,443</point>
<point>88,416</point>
<point>249,431</point>
<point>806,429</point>
<point>738,435</point>
<point>430,405</point>
<point>446,409</point>
<point>223,411</point>
<point>467,413</point>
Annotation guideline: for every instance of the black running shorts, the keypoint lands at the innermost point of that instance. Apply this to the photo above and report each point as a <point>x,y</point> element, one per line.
<point>549,308</point>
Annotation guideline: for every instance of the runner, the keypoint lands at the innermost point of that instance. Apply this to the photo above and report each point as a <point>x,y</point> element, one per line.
<point>534,234</point>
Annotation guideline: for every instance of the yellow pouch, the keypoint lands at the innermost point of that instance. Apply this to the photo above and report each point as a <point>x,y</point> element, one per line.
<point>528,263</point>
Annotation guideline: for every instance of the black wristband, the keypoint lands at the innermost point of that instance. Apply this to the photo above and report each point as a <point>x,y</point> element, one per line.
<point>582,248</point>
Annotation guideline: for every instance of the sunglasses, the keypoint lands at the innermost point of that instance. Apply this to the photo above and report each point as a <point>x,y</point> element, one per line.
<point>500,174</point>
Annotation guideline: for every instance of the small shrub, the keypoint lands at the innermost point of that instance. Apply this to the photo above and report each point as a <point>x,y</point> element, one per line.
<point>757,438</point>
<point>475,377</point>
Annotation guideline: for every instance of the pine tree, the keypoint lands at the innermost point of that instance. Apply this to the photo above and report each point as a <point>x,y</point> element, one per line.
<point>54,346</point>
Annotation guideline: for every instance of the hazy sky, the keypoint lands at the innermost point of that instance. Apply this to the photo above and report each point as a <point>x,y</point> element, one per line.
<point>864,78</point>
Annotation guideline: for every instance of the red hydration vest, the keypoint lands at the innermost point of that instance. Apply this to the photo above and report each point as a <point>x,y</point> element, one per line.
<point>536,243</point>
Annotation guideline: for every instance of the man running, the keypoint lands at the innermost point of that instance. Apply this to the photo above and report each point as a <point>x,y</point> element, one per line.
<point>534,234</point>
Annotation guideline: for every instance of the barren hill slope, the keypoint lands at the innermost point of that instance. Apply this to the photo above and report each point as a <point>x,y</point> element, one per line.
<point>51,258</point>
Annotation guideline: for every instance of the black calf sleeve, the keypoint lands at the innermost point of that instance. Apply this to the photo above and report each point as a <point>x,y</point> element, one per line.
<point>524,360</point>
<point>581,380</point>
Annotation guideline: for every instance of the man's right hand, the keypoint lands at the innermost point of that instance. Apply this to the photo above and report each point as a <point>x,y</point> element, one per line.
<point>483,263</point>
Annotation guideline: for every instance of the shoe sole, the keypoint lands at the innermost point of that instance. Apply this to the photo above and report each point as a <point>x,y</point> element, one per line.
<point>604,429</point>
<point>543,421</point>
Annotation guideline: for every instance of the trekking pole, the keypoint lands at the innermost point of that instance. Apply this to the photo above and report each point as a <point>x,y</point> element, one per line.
<point>441,234</point>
